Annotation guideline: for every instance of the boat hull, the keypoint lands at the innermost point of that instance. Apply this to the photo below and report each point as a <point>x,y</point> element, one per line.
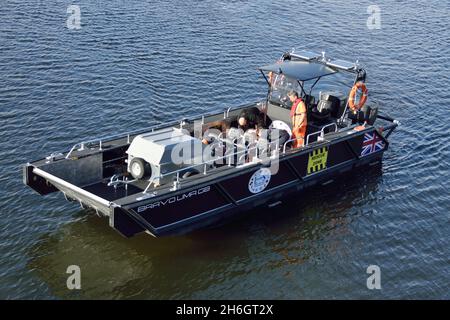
<point>210,203</point>
<point>209,199</point>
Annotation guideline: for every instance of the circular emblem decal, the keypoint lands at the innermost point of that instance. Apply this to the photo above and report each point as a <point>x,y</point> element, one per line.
<point>259,180</point>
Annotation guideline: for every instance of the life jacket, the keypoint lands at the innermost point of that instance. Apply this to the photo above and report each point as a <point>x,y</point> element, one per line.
<point>294,109</point>
<point>295,105</point>
<point>298,133</point>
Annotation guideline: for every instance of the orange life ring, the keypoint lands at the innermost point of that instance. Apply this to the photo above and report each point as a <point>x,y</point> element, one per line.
<point>351,99</point>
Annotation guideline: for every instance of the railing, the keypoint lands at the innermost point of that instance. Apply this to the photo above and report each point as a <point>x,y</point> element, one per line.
<point>115,180</point>
<point>205,164</point>
<point>100,141</point>
<point>81,145</point>
<point>320,133</point>
<point>317,133</point>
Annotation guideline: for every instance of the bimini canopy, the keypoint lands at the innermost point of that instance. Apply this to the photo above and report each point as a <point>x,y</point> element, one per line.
<point>300,70</point>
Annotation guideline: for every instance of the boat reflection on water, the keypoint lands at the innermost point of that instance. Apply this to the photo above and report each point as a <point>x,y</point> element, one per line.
<point>313,227</point>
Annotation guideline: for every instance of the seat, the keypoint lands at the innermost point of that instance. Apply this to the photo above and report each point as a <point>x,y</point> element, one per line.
<point>324,106</point>
<point>309,100</point>
<point>337,100</point>
<point>281,125</point>
<point>322,112</point>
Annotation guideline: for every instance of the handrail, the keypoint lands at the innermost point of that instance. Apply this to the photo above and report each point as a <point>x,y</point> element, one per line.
<point>204,163</point>
<point>248,149</point>
<point>322,132</point>
<point>311,135</point>
<point>295,139</point>
<point>162,125</point>
<point>70,186</point>
<point>290,140</point>
<point>115,136</point>
<point>228,111</point>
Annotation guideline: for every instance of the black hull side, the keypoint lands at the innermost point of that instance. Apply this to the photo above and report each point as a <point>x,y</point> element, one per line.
<point>35,182</point>
<point>204,205</point>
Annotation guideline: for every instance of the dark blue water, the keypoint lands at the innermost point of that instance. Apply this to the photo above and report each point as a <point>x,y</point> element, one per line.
<point>137,63</point>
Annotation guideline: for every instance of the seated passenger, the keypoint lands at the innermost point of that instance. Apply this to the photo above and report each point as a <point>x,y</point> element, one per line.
<point>210,136</point>
<point>298,118</point>
<point>249,118</point>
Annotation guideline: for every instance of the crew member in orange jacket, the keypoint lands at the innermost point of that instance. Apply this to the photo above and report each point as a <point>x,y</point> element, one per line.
<point>298,118</point>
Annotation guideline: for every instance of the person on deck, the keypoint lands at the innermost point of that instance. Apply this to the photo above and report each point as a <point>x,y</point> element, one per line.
<point>251,117</point>
<point>298,118</point>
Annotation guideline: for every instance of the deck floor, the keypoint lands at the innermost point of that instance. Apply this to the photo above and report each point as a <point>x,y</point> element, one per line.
<point>110,193</point>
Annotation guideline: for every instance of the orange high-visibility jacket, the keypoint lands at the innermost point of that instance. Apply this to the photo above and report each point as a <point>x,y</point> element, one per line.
<point>298,129</point>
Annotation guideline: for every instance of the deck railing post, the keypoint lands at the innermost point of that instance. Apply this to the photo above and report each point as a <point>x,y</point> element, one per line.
<point>228,111</point>
<point>176,183</point>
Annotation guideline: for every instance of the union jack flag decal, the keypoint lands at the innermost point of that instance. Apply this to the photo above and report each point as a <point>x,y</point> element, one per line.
<point>372,143</point>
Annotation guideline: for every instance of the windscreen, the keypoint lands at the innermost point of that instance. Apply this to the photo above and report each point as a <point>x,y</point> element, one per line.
<point>280,87</point>
<point>338,85</point>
